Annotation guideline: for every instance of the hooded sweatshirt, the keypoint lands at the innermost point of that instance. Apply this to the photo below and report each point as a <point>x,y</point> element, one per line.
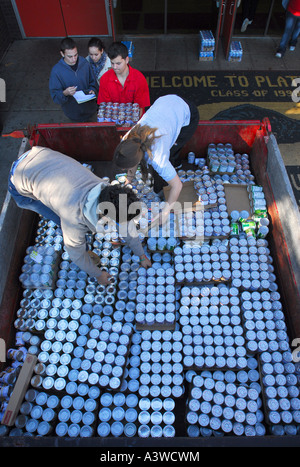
<point>63,76</point>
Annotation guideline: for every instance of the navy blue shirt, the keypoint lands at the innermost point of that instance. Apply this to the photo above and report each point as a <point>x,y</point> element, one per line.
<point>62,77</point>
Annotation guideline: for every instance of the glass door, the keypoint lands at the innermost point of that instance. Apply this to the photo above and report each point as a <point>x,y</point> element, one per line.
<point>165,16</point>
<point>267,18</point>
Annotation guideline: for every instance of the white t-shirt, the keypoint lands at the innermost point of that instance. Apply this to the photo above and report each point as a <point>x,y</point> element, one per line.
<point>168,114</point>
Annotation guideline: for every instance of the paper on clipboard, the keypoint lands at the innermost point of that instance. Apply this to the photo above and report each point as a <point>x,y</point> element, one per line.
<point>81,97</point>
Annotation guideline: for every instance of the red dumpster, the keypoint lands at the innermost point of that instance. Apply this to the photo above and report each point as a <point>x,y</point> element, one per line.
<point>94,144</point>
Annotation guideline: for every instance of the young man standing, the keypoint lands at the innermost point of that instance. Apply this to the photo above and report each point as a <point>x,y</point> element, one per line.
<point>122,83</point>
<point>73,73</point>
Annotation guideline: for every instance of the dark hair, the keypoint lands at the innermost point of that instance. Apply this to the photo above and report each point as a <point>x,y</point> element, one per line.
<point>111,194</point>
<point>96,42</point>
<point>116,49</point>
<point>67,43</point>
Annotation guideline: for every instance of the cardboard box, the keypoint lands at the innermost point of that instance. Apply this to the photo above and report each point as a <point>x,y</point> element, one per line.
<point>237,198</point>
<point>19,391</point>
<point>188,198</point>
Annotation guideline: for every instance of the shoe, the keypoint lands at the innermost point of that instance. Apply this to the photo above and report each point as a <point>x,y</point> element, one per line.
<point>292,48</point>
<point>278,55</point>
<point>245,24</point>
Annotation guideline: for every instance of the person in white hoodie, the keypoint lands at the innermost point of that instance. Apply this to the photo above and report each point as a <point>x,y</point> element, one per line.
<point>61,189</point>
<point>155,144</point>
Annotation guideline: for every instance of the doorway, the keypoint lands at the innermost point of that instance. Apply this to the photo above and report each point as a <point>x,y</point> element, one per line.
<point>269,19</point>
<point>165,16</point>
<point>177,17</point>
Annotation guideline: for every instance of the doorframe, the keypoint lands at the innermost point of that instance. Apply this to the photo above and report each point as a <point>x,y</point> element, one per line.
<point>19,21</point>
<point>219,25</point>
<point>230,16</point>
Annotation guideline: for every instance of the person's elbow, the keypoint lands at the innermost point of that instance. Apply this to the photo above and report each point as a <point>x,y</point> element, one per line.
<point>178,186</point>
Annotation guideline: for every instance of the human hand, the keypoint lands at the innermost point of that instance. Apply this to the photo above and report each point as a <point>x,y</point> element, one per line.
<point>128,181</point>
<point>92,92</point>
<point>104,279</point>
<point>145,262</point>
<point>70,91</point>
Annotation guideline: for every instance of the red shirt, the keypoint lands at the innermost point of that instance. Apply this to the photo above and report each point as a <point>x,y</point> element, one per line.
<point>135,89</point>
<point>294,7</point>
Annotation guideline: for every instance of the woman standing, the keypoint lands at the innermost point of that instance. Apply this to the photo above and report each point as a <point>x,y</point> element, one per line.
<point>98,58</point>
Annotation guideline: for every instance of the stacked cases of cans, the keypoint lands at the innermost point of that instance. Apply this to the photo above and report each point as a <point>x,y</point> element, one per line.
<point>224,163</point>
<point>256,223</point>
<point>235,52</point>
<point>206,45</point>
<point>157,359</point>
<point>40,265</point>
<point>212,338</point>
<point>55,356</point>
<point>75,318</point>
<point>228,403</point>
<point>131,415</point>
<point>161,364</point>
<point>208,190</point>
<point>155,307</point>
<point>118,113</point>
<point>205,264</point>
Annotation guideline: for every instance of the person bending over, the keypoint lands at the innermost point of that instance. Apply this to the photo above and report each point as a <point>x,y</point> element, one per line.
<point>155,143</point>
<point>61,189</point>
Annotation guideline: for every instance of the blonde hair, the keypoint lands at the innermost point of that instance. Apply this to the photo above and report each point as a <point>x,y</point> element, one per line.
<point>144,135</point>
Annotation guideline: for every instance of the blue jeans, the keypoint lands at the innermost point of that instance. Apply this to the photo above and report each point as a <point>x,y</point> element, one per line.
<point>291,32</point>
<point>33,205</point>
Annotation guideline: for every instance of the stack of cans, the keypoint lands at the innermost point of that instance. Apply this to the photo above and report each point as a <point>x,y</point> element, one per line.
<point>219,403</point>
<point>39,269</point>
<point>254,224</point>
<point>202,264</point>
<point>131,382</point>
<point>213,338</point>
<point>156,417</point>
<point>208,190</point>
<point>206,45</point>
<point>161,243</point>
<point>114,361</point>
<point>251,264</point>
<point>203,225</point>
<point>221,158</point>
<point>118,415</point>
<point>235,52</point>
<point>280,391</point>
<point>155,308</point>
<point>161,364</point>
<point>120,114</point>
